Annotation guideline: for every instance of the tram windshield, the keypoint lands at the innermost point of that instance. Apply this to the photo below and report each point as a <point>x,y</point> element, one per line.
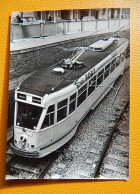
<point>28,115</point>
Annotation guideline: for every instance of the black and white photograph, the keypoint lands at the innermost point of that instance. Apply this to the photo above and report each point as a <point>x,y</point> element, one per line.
<point>68,107</point>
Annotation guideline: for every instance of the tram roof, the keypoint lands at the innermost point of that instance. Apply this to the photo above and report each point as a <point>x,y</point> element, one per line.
<point>43,81</point>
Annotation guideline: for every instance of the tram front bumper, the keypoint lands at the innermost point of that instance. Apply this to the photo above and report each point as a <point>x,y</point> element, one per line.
<point>23,152</point>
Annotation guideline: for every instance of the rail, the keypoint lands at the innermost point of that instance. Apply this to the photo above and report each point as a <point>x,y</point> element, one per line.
<point>43,29</point>
<point>107,143</point>
<point>29,168</point>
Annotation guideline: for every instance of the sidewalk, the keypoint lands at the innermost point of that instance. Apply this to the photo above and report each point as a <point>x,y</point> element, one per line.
<point>36,42</point>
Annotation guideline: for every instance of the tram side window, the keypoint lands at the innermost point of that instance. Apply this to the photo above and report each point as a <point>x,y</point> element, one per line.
<point>107,70</point>
<point>92,85</point>
<point>82,93</point>
<point>62,110</point>
<point>72,103</point>
<point>113,63</point>
<point>122,57</point>
<point>49,118</point>
<point>117,61</point>
<point>100,77</point>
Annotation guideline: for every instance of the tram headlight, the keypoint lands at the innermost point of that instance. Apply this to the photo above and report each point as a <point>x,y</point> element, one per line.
<point>23,144</point>
<point>26,145</point>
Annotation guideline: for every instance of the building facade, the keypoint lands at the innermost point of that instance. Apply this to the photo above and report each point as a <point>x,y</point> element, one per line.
<point>73,15</point>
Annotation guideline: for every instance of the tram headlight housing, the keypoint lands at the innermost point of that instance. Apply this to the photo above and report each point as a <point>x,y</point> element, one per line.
<point>26,145</point>
<point>23,144</point>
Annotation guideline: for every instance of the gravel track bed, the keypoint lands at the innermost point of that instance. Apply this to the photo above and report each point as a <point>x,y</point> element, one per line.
<point>121,156</point>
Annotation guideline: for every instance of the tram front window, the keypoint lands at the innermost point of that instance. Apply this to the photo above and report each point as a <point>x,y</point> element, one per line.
<point>28,115</point>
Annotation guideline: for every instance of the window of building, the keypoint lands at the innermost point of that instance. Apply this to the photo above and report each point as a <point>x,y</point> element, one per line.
<point>65,14</point>
<point>62,110</point>
<point>58,13</point>
<point>95,13</point>
<point>92,85</point>
<point>72,103</point>
<point>47,15</point>
<point>104,11</point>
<point>49,118</point>
<point>38,15</point>
<point>112,13</point>
<point>107,70</point>
<point>100,77</point>
<point>118,12</point>
<point>82,93</point>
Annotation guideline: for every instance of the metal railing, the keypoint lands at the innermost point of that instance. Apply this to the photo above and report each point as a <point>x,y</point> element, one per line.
<point>36,30</point>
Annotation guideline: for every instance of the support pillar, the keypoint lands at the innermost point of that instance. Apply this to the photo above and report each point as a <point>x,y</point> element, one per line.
<point>96,25</point>
<point>120,17</point>
<point>71,15</point>
<point>54,14</point>
<point>64,27</point>
<point>82,25</point>
<point>89,14</point>
<point>41,30</point>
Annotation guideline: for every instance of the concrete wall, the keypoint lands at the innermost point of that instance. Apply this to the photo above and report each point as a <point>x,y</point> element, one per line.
<point>26,62</point>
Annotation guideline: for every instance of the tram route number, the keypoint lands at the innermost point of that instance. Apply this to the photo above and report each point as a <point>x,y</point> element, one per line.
<point>84,78</point>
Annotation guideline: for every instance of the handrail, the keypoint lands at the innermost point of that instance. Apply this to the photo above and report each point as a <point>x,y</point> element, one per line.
<point>47,28</point>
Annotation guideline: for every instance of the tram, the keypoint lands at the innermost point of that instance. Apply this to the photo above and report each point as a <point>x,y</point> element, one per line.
<point>50,104</point>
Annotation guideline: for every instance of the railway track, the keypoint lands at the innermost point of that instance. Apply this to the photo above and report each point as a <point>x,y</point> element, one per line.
<point>109,161</point>
<point>107,145</point>
<point>25,168</point>
<point>116,158</point>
